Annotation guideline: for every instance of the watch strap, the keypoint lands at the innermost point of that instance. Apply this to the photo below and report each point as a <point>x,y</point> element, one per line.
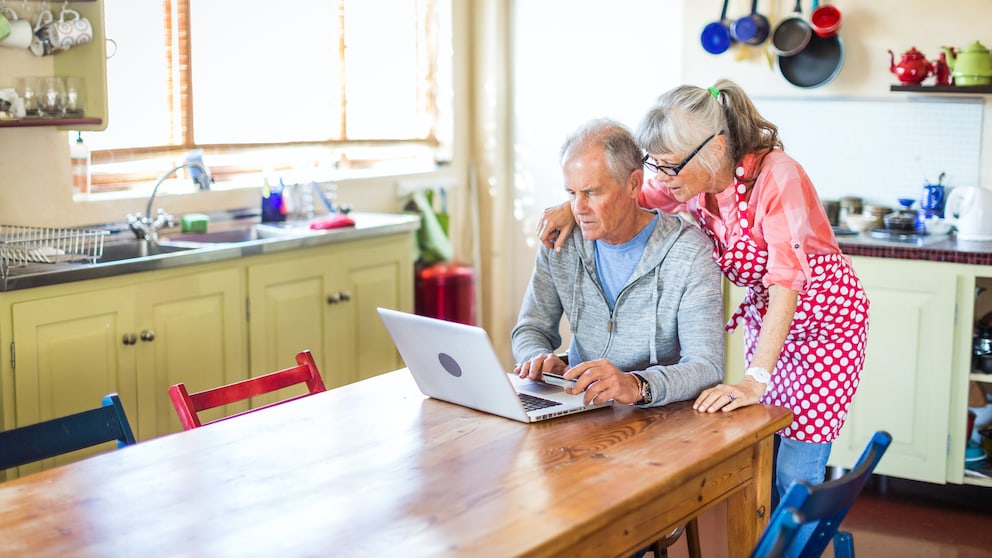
<point>646,394</point>
<point>759,374</point>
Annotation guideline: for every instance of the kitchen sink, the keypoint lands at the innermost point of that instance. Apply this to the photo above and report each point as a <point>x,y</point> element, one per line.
<point>118,251</point>
<point>240,234</point>
<point>212,237</point>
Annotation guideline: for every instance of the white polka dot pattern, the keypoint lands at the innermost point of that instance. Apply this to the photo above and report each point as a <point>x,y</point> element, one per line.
<point>820,366</point>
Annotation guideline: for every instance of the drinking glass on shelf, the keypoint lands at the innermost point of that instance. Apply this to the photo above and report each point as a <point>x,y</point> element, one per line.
<point>27,89</point>
<point>74,96</point>
<point>51,100</point>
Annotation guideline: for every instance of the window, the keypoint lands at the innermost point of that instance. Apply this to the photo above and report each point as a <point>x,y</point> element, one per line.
<point>258,84</point>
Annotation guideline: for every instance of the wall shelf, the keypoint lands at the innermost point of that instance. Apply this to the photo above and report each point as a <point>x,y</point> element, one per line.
<point>972,89</point>
<point>61,122</point>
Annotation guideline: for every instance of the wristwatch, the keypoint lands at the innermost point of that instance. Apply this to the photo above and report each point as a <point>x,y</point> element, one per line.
<point>645,389</point>
<point>759,374</point>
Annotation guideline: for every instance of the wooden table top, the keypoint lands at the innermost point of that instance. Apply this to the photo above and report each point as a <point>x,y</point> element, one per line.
<point>376,469</point>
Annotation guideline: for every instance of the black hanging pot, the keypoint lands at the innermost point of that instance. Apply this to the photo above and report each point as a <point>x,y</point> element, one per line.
<point>816,65</point>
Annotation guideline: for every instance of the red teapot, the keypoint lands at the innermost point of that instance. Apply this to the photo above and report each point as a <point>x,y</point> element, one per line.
<point>912,68</point>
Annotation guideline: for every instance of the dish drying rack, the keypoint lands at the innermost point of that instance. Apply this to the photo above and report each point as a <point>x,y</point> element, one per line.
<point>20,246</point>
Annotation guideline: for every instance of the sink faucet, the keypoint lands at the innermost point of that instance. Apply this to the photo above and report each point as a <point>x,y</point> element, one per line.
<point>147,229</point>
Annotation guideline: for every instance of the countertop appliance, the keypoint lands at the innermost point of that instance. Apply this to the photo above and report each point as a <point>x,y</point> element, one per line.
<point>969,209</point>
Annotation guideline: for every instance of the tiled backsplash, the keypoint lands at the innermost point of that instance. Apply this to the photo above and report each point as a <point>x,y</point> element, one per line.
<point>880,149</point>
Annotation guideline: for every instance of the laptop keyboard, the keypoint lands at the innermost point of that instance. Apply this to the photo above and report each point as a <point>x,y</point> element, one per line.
<point>532,403</point>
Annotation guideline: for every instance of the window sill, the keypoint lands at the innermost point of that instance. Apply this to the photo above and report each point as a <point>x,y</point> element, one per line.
<point>254,181</point>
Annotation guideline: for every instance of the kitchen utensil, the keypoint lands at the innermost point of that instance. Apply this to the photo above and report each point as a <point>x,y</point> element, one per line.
<point>716,38</point>
<point>859,222</point>
<point>816,64</point>
<point>969,209</point>
<point>751,29</point>
<point>933,197</point>
<point>971,66</point>
<point>942,71</point>
<point>792,34</point>
<point>21,32</point>
<point>900,221</point>
<point>825,20</point>
<point>913,67</point>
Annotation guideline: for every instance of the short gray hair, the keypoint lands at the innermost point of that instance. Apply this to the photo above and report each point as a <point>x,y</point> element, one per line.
<point>622,154</point>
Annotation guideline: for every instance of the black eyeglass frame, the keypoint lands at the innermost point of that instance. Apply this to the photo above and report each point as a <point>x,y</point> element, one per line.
<point>674,171</point>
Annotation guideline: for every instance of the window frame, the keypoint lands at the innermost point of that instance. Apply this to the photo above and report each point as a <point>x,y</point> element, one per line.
<point>116,170</point>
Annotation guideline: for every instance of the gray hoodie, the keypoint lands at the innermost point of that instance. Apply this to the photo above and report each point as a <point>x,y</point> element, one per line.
<point>666,325</point>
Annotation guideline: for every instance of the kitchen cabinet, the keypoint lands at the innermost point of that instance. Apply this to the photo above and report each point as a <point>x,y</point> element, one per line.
<point>326,301</point>
<point>906,383</point>
<point>205,324</point>
<point>136,338</point>
<point>914,383</point>
<point>88,61</point>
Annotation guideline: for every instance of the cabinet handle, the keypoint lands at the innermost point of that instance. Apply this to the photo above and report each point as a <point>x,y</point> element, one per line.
<point>342,296</point>
<point>129,339</point>
<point>147,335</point>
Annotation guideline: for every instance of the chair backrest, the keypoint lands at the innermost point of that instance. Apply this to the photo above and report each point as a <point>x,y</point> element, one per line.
<point>188,405</point>
<point>34,442</point>
<point>825,504</point>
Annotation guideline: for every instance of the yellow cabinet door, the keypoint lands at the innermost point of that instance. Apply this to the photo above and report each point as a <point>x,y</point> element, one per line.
<point>325,301</point>
<point>70,351</point>
<point>190,329</point>
<point>288,313</point>
<point>905,386</point>
<point>371,278</point>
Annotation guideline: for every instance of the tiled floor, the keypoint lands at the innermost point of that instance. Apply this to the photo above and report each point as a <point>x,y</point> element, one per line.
<point>894,518</point>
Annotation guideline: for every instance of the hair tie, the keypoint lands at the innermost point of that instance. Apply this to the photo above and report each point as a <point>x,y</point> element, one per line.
<point>714,91</point>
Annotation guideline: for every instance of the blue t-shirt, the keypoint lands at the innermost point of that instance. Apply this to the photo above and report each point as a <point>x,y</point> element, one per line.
<point>614,265</point>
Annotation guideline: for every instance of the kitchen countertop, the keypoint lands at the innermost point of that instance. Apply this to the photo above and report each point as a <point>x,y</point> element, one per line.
<point>298,235</point>
<point>935,248</point>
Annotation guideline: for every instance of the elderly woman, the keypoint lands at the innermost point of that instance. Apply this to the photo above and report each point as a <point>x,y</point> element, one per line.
<point>805,313</point>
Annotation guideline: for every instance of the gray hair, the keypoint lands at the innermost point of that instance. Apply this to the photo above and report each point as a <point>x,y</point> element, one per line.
<point>685,116</point>
<point>622,154</point>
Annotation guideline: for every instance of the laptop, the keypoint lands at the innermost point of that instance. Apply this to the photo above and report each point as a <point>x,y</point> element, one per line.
<point>456,363</point>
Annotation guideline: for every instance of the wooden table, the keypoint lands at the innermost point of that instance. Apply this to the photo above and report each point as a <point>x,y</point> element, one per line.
<point>375,469</point>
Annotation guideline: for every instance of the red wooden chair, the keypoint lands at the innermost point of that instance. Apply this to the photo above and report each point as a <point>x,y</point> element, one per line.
<point>188,405</point>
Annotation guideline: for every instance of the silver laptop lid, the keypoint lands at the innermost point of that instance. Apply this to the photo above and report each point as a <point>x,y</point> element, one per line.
<point>457,363</point>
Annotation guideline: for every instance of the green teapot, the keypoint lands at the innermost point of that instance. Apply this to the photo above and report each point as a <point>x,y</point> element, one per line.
<point>971,66</point>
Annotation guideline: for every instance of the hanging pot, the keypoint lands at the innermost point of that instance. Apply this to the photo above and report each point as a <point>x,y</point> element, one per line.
<point>816,65</point>
<point>792,34</point>
<point>825,20</point>
<point>751,29</point>
<point>716,38</point>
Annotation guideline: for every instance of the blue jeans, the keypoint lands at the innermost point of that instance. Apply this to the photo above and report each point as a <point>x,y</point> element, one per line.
<point>796,460</point>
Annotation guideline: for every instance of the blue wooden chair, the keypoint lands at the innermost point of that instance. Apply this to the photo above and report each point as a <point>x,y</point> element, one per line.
<point>27,444</point>
<point>825,504</point>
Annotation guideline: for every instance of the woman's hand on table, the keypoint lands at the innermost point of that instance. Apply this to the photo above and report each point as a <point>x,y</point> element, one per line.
<point>728,397</point>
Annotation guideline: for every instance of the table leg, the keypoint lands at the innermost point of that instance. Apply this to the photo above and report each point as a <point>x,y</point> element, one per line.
<point>748,509</point>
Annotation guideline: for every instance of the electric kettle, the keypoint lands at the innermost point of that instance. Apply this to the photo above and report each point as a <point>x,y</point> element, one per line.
<point>970,210</point>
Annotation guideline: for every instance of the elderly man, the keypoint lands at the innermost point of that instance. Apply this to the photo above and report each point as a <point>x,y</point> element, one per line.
<point>639,288</point>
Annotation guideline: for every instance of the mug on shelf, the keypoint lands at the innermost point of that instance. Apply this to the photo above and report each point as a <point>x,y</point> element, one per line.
<point>53,37</point>
<point>21,32</point>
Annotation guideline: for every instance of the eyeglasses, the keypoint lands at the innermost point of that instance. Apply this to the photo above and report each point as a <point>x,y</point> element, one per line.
<point>674,171</point>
